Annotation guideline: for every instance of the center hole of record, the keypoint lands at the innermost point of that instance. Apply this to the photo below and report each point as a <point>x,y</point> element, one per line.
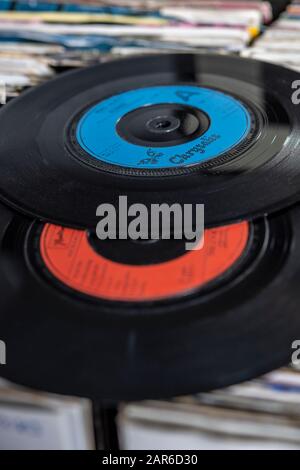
<point>137,252</point>
<point>163,124</point>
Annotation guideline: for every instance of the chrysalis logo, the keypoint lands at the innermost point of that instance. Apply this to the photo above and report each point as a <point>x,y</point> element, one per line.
<point>2,353</point>
<point>296,94</point>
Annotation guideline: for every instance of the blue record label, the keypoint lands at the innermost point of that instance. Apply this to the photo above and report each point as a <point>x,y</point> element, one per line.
<point>96,131</point>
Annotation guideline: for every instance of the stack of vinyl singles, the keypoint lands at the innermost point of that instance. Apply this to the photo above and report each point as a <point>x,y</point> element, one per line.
<point>124,319</point>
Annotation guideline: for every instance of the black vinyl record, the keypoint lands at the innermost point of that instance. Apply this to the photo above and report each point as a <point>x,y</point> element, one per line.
<point>65,334</point>
<point>217,130</point>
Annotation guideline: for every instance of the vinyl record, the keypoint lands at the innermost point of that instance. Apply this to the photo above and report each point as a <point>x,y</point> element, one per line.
<point>134,321</point>
<point>217,130</point>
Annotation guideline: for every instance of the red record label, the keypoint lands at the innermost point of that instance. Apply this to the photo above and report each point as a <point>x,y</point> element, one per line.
<point>71,259</point>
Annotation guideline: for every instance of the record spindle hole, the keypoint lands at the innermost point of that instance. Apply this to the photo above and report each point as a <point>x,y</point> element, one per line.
<point>163,124</point>
<point>142,251</point>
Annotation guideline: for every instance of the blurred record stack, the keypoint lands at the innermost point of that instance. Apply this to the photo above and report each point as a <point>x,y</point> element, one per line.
<point>281,41</point>
<point>32,420</point>
<point>263,414</point>
<point>41,38</point>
